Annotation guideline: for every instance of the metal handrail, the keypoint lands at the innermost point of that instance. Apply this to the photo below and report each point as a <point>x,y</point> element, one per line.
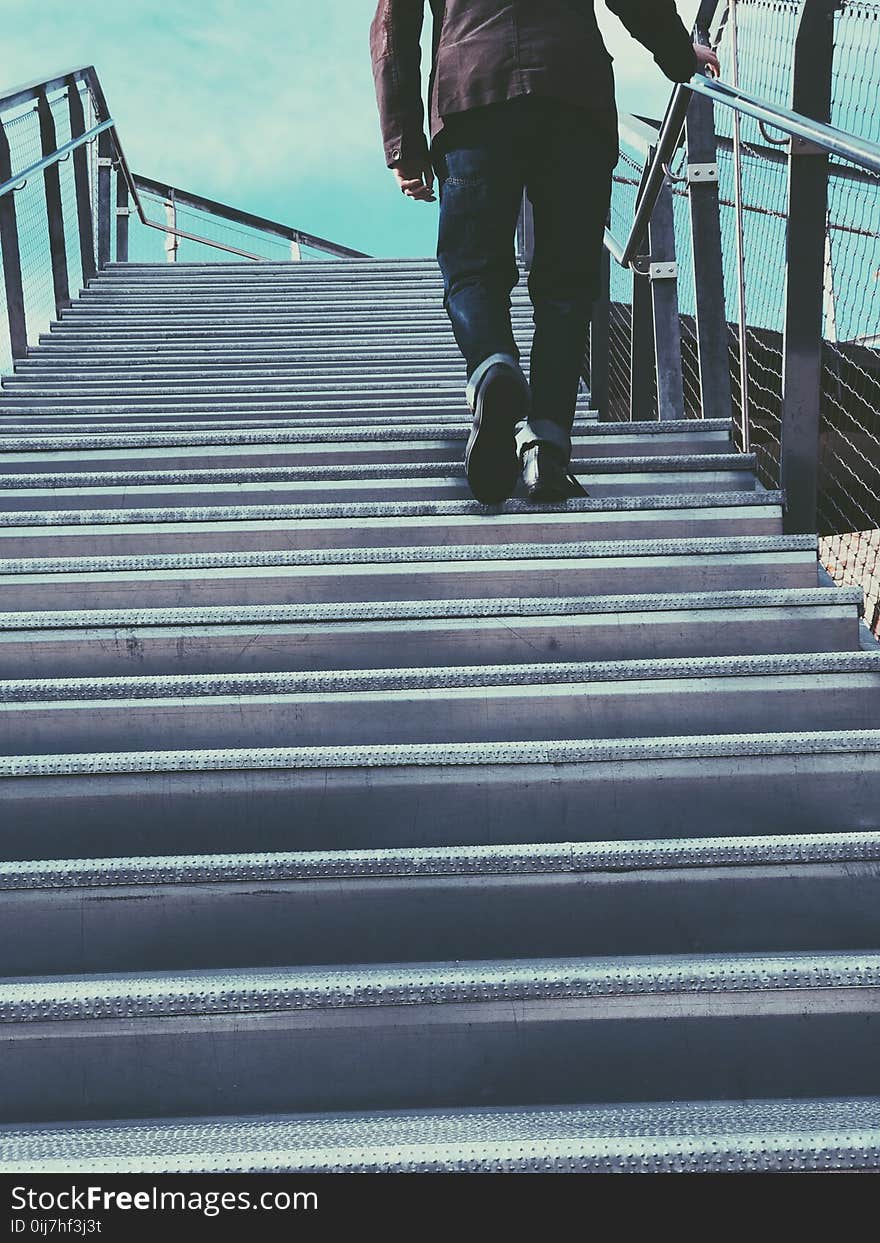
<point>30,91</point>
<point>860,151</point>
<point>87,75</point>
<point>224,212</point>
<point>835,141</point>
<point>48,160</point>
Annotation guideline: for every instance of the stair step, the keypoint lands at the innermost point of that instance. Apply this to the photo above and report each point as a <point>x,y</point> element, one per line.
<point>60,533</point>
<point>618,700</point>
<point>694,1137</point>
<point>313,447</point>
<point>736,895</point>
<point>287,637</point>
<point>309,576</point>
<point>437,794</point>
<point>57,354</point>
<point>512,1031</point>
<point>322,485</point>
<point>306,340</point>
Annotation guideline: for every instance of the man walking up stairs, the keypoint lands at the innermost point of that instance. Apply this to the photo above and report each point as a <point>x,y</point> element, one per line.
<point>521,98</point>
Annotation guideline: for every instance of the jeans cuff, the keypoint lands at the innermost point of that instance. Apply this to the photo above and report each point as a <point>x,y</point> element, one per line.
<point>543,431</point>
<point>473,384</point>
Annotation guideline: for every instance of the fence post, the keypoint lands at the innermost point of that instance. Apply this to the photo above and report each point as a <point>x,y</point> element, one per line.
<point>711,315</point>
<point>105,171</point>
<point>80,159</point>
<point>663,276</point>
<point>54,208</point>
<point>600,340</point>
<point>805,271</point>
<point>123,212</point>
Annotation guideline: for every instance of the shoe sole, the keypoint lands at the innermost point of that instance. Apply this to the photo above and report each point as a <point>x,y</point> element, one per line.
<point>491,460</point>
<point>553,496</point>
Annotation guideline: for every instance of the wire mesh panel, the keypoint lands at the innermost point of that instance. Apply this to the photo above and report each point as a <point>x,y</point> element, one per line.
<point>624,192</point>
<point>755,42</point>
<point>22,129</point>
<point>849,480</point>
<point>23,134</point>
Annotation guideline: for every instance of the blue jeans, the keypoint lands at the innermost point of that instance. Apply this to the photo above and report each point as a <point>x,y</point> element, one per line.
<point>563,156</point>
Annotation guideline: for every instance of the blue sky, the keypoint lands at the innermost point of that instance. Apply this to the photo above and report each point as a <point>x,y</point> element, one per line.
<point>265,104</point>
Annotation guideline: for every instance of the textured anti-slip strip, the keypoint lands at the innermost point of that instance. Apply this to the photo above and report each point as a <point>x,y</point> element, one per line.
<point>580,550</point>
<point>429,984</point>
<point>335,435</point>
<point>386,470</point>
<point>353,511</point>
<point>560,858</point>
<point>693,1137</point>
<point>425,610</point>
<point>347,682</point>
<point>443,755</point>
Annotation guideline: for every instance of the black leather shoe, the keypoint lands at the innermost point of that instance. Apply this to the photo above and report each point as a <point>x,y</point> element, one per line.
<point>546,476</point>
<point>491,460</point>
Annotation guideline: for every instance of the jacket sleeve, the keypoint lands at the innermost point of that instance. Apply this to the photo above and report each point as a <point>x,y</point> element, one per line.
<point>656,24</point>
<point>395,48</point>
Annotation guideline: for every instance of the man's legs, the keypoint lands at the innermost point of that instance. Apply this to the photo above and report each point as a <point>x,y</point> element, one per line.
<point>571,159</point>
<point>479,163</point>
<point>479,166</point>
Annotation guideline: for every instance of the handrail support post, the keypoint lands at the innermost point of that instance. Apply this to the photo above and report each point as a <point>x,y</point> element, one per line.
<point>663,277</point>
<point>711,314</point>
<point>10,252</point>
<point>81,182</point>
<point>54,207</point>
<point>805,273</point>
<point>105,174</point>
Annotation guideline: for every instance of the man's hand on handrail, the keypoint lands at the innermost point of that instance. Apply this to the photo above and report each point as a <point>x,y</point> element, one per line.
<point>416,180</point>
<point>707,59</point>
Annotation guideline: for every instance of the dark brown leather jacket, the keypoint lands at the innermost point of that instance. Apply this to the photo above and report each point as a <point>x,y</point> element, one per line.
<point>485,51</point>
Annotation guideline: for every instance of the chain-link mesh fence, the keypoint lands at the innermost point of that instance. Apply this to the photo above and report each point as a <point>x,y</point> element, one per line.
<point>755,40</point>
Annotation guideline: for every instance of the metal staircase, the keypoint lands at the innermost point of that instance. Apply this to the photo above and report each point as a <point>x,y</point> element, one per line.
<point>369,829</point>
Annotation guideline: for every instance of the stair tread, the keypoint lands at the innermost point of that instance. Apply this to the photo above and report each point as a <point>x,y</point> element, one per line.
<point>255,990</point>
<point>365,473</point>
<point>422,610</point>
<point>465,555</point>
<point>388,681</point>
<point>448,754</point>
<point>331,435</point>
<point>785,850</point>
<point>696,1136</point>
<point>387,511</point>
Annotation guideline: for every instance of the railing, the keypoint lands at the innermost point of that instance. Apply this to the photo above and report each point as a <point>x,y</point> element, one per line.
<point>721,302</point>
<point>61,221</point>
